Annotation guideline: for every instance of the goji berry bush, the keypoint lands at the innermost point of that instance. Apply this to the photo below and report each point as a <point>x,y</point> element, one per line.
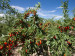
<point>37,35</point>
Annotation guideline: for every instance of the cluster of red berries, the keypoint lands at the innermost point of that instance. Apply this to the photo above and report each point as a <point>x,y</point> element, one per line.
<point>39,43</point>
<point>64,29</point>
<point>70,44</point>
<point>8,46</point>
<point>27,14</point>
<point>11,34</point>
